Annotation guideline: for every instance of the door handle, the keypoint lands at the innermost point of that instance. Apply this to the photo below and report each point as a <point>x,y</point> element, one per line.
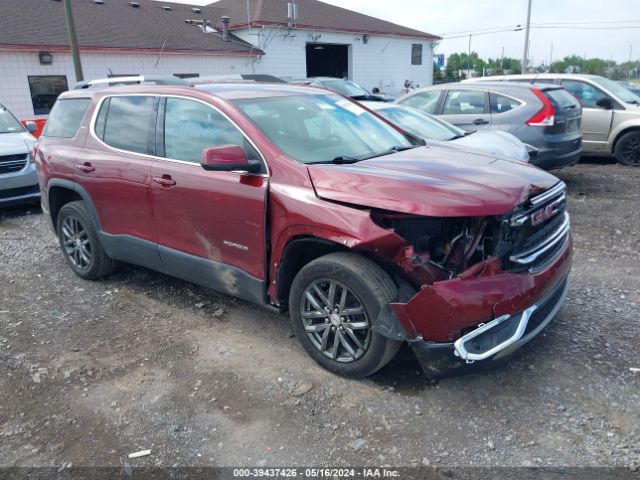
<point>86,167</point>
<point>164,181</point>
<point>480,121</point>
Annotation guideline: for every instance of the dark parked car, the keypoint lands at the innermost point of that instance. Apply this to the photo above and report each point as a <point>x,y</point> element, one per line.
<point>348,88</point>
<point>545,116</point>
<point>632,87</point>
<point>300,199</point>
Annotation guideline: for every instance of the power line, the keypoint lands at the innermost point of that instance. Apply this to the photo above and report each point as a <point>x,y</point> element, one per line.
<point>466,33</point>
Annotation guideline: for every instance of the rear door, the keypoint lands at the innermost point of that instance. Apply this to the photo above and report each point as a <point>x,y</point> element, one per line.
<point>211,225</point>
<point>467,109</point>
<point>596,121</point>
<point>115,170</point>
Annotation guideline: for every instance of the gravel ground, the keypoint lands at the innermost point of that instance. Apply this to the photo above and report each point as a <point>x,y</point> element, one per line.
<point>92,371</point>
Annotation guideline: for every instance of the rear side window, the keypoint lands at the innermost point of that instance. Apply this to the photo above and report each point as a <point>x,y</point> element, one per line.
<point>425,101</point>
<point>501,104</point>
<point>463,102</point>
<point>66,115</point>
<point>128,123</point>
<point>560,98</point>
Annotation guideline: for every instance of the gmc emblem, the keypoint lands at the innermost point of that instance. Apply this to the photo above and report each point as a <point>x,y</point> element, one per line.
<point>544,214</point>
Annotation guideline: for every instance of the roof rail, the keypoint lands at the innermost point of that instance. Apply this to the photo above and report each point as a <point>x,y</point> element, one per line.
<point>140,79</point>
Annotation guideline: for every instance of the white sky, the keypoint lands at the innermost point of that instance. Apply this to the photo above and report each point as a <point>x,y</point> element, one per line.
<point>449,16</point>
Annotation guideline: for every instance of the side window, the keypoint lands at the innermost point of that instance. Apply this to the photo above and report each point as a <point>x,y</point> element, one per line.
<point>128,123</point>
<point>65,117</point>
<point>587,94</point>
<point>425,101</point>
<point>462,102</point>
<point>501,104</point>
<point>416,54</point>
<point>190,127</point>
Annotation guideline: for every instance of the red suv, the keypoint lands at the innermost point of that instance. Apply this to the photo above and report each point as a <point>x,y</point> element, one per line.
<point>303,200</point>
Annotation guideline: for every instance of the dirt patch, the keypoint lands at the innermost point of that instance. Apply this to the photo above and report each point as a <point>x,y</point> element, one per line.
<point>92,371</point>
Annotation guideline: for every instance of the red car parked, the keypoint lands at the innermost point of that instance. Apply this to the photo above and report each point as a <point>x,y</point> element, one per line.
<point>303,200</point>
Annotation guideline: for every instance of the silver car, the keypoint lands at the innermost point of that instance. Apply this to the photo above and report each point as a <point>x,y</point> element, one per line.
<point>431,128</point>
<point>610,112</point>
<point>544,116</point>
<point>18,181</point>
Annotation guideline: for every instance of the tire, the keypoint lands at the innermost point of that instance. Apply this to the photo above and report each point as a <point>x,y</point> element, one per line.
<point>324,335</point>
<point>627,151</point>
<point>80,244</point>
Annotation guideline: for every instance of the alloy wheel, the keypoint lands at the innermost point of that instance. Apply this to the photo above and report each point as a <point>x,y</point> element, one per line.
<point>631,150</point>
<point>335,320</point>
<point>76,243</point>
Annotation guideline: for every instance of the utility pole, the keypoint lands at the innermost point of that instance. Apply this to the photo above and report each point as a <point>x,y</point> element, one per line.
<point>630,52</point>
<point>551,56</point>
<point>469,60</point>
<point>73,41</point>
<point>526,40</point>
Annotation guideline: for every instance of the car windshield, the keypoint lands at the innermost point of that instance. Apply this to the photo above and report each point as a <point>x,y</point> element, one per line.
<point>420,124</point>
<point>618,90</point>
<point>345,87</point>
<point>322,128</point>
<point>8,123</point>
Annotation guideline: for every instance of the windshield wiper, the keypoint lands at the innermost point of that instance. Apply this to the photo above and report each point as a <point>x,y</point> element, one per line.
<point>393,149</point>
<point>339,160</point>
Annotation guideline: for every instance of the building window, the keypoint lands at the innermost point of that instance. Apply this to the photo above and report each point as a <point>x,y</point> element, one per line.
<point>45,91</point>
<point>416,54</point>
<point>186,75</point>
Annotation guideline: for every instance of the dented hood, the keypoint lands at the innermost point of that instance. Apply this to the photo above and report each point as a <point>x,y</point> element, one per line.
<point>432,181</point>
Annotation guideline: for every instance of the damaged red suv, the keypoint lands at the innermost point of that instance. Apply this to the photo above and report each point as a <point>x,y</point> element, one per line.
<point>301,199</point>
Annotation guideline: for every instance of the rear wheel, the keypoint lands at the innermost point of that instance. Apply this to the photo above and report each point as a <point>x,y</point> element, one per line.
<point>334,302</point>
<point>80,244</point>
<point>627,150</point>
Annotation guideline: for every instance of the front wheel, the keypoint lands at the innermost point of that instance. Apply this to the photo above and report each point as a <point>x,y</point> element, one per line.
<point>334,302</point>
<point>627,149</point>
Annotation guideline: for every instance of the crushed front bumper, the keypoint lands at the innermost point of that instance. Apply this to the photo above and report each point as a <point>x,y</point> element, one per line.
<point>492,343</point>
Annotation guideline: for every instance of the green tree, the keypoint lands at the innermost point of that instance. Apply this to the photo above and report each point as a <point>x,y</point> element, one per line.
<point>438,76</point>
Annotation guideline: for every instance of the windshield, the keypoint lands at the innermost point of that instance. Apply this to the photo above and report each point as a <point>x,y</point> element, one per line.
<point>420,124</point>
<point>618,90</point>
<point>345,87</point>
<point>320,128</point>
<point>8,123</point>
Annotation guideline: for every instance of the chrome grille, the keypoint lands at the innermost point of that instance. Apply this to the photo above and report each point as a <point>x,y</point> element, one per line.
<point>13,163</point>
<point>539,231</point>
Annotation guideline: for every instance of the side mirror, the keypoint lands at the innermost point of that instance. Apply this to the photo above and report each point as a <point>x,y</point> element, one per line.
<point>605,102</point>
<point>228,158</point>
<point>31,126</point>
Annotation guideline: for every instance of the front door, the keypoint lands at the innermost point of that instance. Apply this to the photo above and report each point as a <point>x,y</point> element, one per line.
<point>596,121</point>
<point>467,109</point>
<point>210,225</point>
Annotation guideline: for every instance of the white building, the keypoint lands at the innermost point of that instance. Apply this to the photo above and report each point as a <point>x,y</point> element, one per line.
<point>120,37</point>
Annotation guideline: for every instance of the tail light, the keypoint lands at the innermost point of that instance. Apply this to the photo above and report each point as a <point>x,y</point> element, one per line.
<point>545,117</point>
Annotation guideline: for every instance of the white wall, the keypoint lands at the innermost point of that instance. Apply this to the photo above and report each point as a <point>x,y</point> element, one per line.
<point>15,67</point>
<point>384,62</point>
